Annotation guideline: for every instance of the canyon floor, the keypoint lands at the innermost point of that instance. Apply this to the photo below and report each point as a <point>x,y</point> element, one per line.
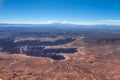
<point>91,62</point>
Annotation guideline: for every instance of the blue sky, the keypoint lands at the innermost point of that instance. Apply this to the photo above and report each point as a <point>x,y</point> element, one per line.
<point>60,11</point>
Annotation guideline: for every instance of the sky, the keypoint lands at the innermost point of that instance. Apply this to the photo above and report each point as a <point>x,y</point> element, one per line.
<point>60,11</point>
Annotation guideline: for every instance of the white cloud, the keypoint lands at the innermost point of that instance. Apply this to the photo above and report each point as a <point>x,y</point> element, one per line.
<point>55,21</point>
<point>111,20</point>
<point>28,22</point>
<point>50,21</point>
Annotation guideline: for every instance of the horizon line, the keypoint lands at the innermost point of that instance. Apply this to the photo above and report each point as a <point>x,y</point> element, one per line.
<point>53,23</point>
<point>96,22</point>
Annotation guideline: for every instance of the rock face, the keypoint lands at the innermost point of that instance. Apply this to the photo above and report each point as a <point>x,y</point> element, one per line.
<point>91,62</point>
<point>37,48</point>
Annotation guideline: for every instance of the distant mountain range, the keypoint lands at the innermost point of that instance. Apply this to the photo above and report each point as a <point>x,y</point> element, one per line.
<point>59,25</point>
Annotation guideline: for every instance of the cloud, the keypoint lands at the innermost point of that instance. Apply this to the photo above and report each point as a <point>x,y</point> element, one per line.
<point>55,21</point>
<point>29,22</point>
<point>51,21</point>
<point>111,20</point>
<point>94,22</point>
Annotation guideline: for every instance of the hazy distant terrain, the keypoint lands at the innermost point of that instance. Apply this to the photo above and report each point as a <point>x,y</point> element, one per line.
<point>59,52</point>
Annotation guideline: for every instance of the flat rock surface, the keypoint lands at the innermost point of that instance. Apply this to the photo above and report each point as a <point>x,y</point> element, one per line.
<point>91,62</point>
